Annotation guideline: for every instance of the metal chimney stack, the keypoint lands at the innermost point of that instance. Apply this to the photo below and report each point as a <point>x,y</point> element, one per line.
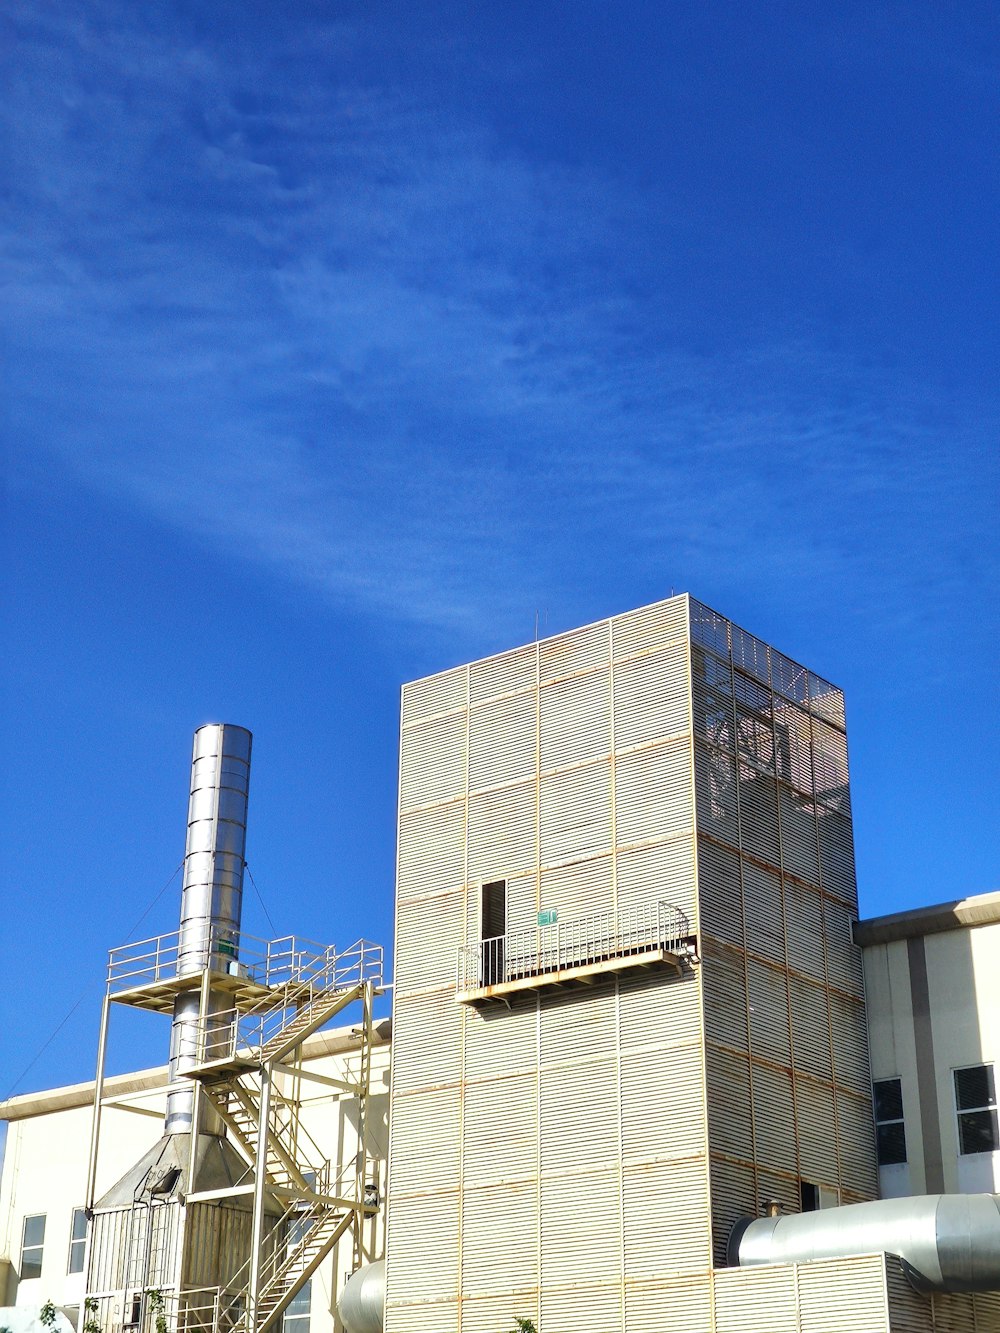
<point>211,897</point>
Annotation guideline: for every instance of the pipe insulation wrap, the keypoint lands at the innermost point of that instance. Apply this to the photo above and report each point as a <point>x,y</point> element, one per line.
<point>949,1242</point>
<point>362,1302</point>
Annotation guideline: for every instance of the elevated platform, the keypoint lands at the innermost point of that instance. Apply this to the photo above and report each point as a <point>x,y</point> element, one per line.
<point>583,974</point>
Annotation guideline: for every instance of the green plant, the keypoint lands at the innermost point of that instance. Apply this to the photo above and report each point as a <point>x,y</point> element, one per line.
<point>47,1314</point>
<point>91,1324</point>
<point>523,1325</point>
<point>158,1307</point>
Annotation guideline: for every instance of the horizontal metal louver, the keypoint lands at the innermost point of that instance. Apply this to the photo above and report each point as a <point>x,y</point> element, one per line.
<point>503,674</point>
<point>909,1311</point>
<point>578,889</point>
<point>574,1028</point>
<point>575,720</point>
<point>826,701</point>
<point>810,1028</point>
<point>724,990</point>
<point>660,872</point>
<point>428,1124</point>
<point>774,1121</point>
<point>764,912</point>
<point>486,1314</point>
<point>843,955</point>
<point>789,678</point>
<point>793,733</point>
<point>499,1242</point>
<point>829,762</point>
<point>425,1317</point>
<point>501,1040</point>
<point>663,1119</point>
<point>712,717</point>
<point>843,1295</point>
<point>655,1006</point>
<point>674,1307</point>
<point>751,1299</point>
<point>503,835</point>
<point>502,741</point>
<point>781,1186</point>
<point>427,1044</point>
<point>836,855</point>
<point>500,1129</point>
<point>817,1131</point>
<point>429,935</point>
<point>850,1044</point>
<point>651,697</point>
<point>715,786</point>
<point>654,792</point>
<point>578,1127</point>
<point>734,1195</point>
<point>667,1229</point>
<point>710,629</point>
<point>575,813</point>
<point>729,1121</point>
<point>857,1144</point>
<point>434,694</point>
<point>956,1313</point>
<point>720,894</point>
<point>650,626</point>
<point>804,925</point>
<point>432,766</point>
<point>431,850</point>
<point>580,1228</point>
<point>582,1309</point>
<point>799,846</point>
<point>769,1018</point>
<point>750,654</point>
<point>426,1259</point>
<point>758,798</point>
<point>576,651</point>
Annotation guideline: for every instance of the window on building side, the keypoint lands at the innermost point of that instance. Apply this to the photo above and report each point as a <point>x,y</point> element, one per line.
<point>296,1317</point>
<point>976,1104</point>
<point>890,1132</point>
<point>77,1241</point>
<point>32,1242</point>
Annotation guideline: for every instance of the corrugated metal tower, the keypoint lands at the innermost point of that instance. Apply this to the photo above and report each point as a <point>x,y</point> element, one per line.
<point>633,841</point>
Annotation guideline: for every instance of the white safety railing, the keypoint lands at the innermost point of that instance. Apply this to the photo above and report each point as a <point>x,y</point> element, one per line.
<point>539,950</point>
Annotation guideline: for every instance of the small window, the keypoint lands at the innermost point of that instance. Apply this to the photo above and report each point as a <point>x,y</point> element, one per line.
<point>32,1243</point>
<point>890,1132</point>
<point>296,1317</point>
<point>808,1196</point>
<point>976,1104</point>
<point>77,1241</point>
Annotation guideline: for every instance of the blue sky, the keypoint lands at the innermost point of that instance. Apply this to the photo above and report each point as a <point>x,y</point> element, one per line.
<point>344,339</point>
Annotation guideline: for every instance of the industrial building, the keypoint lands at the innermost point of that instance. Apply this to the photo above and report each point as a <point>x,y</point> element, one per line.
<point>631,1086</point>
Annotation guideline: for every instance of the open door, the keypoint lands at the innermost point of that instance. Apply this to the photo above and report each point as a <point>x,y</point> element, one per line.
<point>494,929</point>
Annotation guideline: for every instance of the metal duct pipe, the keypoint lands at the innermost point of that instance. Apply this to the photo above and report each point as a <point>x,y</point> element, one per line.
<point>948,1242</point>
<point>212,893</point>
<point>362,1302</point>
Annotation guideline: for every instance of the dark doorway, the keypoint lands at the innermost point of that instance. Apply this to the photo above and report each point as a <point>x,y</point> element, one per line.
<point>494,928</point>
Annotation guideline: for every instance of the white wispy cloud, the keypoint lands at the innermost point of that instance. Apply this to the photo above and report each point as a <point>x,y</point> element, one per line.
<point>348,334</point>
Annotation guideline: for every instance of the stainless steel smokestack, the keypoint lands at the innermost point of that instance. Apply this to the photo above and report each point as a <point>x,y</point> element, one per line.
<point>211,897</point>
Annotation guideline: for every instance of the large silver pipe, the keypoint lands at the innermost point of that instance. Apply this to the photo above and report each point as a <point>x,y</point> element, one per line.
<point>211,896</point>
<point>948,1242</point>
<point>362,1302</point>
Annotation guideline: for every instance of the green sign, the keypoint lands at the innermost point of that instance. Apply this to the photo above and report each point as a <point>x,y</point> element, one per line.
<point>549,917</point>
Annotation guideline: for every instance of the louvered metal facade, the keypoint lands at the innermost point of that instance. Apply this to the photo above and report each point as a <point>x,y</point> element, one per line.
<point>577,1155</point>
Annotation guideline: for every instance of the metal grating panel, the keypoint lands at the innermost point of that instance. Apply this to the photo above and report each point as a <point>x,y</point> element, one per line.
<point>857,1144</point>
<point>651,697</point>
<point>710,629</point>
<point>434,694</point>
<point>431,850</point>
<point>843,955</point>
<point>427,1041</point>
<point>575,813</point>
<point>433,761</point>
<point>810,1028</point>
<point>427,1317</point>
<point>502,674</point>
<point>752,1299</point>
<point>850,1044</point>
<point>499,1242</point>
<point>720,893</point>
<point>762,892</point>
<point>715,784</point>
<point>662,1117</point>
<point>575,720</point>
<point>712,699</point>
<point>581,1228</point>
<point>657,873</point>
<point>829,762</point>
<point>429,934</point>
<point>487,1314</point>
<point>427,1123</point>
<point>909,1311</point>
<point>502,832</point>
<point>793,729</point>
<point>577,1024</point>
<point>817,1131</point>
<point>774,1120</point>
<point>650,626</point>
<point>582,1309</point>
<point>804,924</point>
<point>500,1129</point>
<point>725,998</point>
<point>842,1295</point>
<point>666,1219</point>
<point>799,850</point>
<point>789,678</point>
<point>759,815</point>
<point>653,792</point>
<point>734,1196</point>
<point>578,1125</point>
<point>576,651</point>
<point>502,741</point>
<point>836,855</point>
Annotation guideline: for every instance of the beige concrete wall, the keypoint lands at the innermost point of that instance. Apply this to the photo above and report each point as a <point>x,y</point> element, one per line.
<point>922,1041</point>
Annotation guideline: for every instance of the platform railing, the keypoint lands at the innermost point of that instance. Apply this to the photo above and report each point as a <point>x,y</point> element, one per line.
<point>542,949</point>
